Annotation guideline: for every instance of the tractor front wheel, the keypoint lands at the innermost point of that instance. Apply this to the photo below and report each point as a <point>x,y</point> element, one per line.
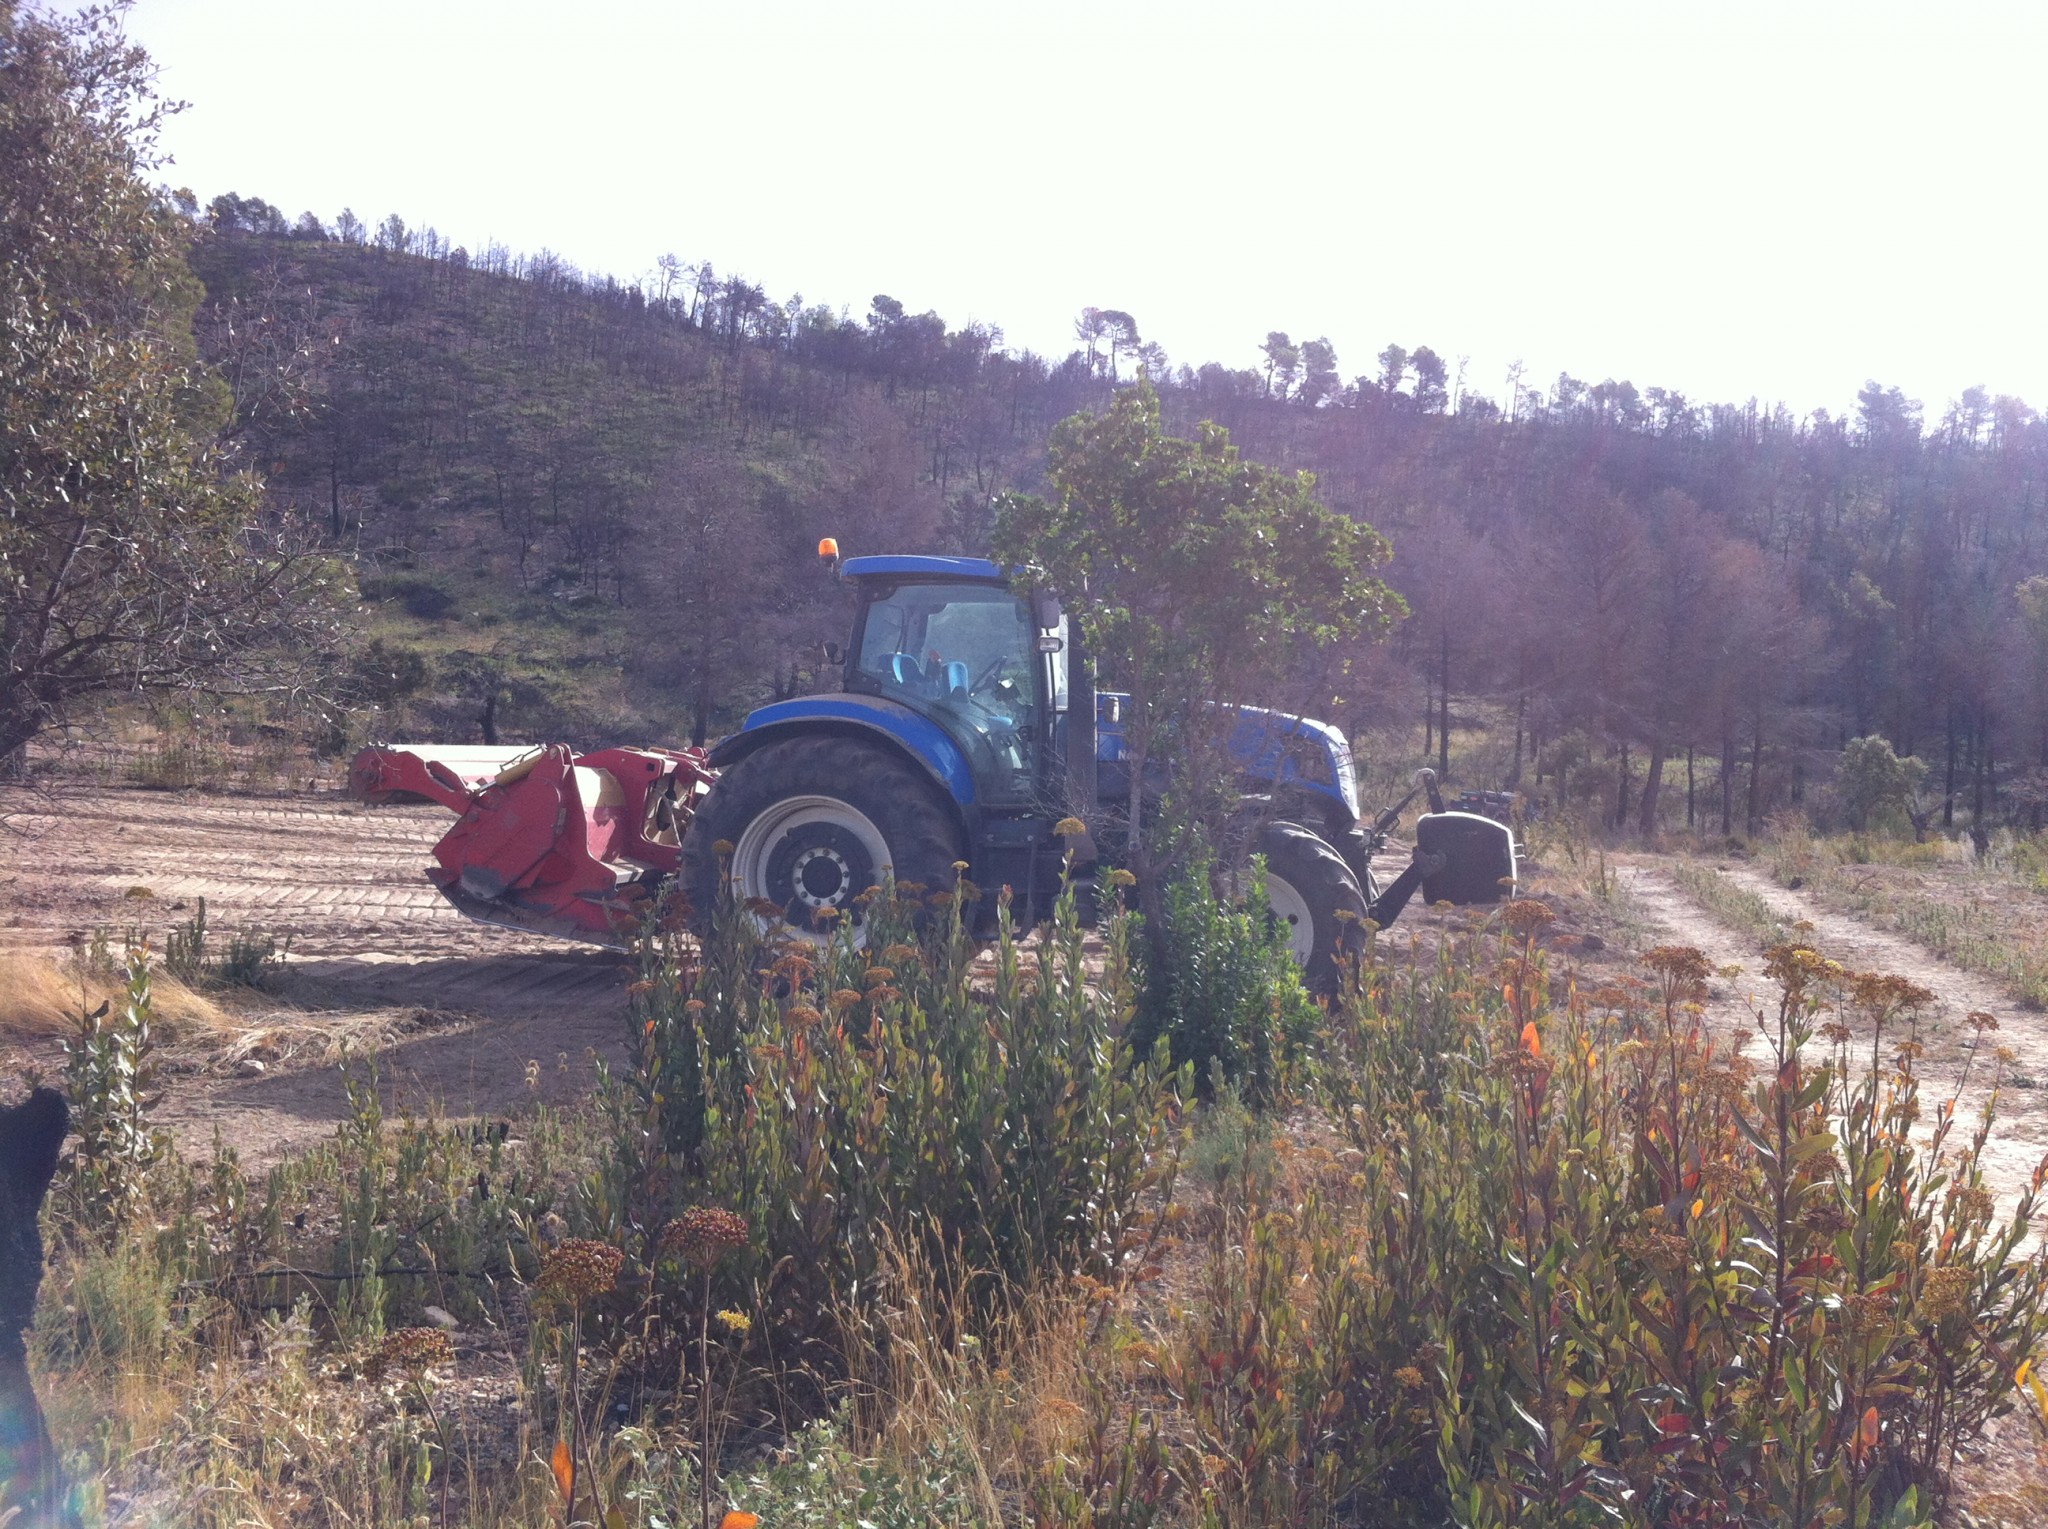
<point>811,824</point>
<point>1316,901</point>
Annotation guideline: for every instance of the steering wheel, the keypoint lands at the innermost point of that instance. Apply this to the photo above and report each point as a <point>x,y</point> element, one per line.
<point>995,667</point>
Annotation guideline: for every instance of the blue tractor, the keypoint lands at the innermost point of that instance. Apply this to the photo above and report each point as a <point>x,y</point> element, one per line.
<point>968,727</point>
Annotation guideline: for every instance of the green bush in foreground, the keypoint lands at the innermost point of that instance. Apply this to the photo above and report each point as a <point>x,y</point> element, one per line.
<point>1226,995</point>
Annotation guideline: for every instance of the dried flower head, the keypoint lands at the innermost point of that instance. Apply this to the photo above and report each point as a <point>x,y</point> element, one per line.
<point>1681,963</point>
<point>1826,1218</point>
<point>1067,828</point>
<point>738,1323</point>
<point>1660,1250</point>
<point>1795,967</point>
<point>1526,916</point>
<point>704,1234</point>
<point>1945,1292</point>
<point>1869,1312</point>
<point>580,1269</point>
<point>1974,1203</point>
<point>414,1350</point>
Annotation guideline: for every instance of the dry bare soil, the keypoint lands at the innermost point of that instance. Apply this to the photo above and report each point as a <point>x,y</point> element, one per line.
<point>376,962</point>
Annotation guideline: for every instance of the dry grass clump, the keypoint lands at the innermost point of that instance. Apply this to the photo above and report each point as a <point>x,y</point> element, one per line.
<point>41,997</point>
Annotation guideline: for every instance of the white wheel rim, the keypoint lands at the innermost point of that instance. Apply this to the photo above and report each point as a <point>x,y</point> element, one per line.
<point>757,845</point>
<point>1291,908</point>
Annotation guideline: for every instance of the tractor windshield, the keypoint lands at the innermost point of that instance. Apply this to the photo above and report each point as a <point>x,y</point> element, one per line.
<point>963,654</point>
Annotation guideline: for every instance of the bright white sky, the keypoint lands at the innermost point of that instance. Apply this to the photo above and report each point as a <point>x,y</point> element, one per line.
<point>1724,198</point>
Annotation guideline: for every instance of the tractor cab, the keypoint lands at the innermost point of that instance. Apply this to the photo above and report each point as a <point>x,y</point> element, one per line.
<point>949,639</point>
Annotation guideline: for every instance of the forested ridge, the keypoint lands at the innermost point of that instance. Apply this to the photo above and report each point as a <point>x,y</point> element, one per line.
<point>582,505</point>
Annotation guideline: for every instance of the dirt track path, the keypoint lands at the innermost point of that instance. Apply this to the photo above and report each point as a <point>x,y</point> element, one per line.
<point>2020,1137</point>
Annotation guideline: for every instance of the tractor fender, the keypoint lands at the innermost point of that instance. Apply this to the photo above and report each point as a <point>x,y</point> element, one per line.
<point>893,727</point>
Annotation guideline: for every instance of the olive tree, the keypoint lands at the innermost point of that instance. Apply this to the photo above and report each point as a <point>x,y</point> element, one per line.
<point>133,558</point>
<point>1873,782</point>
<point>1198,579</point>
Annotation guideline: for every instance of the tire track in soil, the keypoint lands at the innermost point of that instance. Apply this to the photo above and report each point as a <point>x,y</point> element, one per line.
<point>2019,1137</point>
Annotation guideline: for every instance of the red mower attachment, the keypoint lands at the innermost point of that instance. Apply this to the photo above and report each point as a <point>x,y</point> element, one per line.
<point>548,840</point>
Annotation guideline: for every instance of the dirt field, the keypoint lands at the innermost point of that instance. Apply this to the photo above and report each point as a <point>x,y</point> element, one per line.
<point>376,959</point>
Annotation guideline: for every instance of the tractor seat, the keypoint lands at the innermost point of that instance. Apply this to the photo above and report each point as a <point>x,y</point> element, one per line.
<point>907,672</point>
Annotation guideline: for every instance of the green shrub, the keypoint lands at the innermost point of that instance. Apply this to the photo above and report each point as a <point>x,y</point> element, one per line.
<point>385,673</point>
<point>179,759</point>
<point>110,1076</point>
<point>120,1306</point>
<point>250,959</point>
<point>1874,784</point>
<point>1224,992</point>
<point>420,595</point>
<point>819,1482</point>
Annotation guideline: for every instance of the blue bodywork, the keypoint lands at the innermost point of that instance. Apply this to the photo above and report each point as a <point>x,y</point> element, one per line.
<point>1260,744</point>
<point>1296,752</point>
<point>922,567</point>
<point>888,722</point>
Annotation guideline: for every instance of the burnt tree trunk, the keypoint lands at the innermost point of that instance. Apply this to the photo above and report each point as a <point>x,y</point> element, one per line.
<point>1756,777</point>
<point>1727,784</point>
<point>1443,698</point>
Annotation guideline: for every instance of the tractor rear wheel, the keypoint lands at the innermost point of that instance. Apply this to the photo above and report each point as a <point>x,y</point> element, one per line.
<point>812,823</point>
<point>1311,890</point>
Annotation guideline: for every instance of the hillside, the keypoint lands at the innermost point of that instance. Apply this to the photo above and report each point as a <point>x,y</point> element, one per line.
<point>586,508</point>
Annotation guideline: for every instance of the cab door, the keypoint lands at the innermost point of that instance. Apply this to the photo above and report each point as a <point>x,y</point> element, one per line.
<point>964,654</point>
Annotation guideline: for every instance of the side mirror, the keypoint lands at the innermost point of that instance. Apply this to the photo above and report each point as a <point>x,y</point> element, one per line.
<point>1045,610</point>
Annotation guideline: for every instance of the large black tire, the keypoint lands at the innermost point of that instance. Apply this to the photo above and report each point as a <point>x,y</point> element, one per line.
<point>1309,886</point>
<point>812,823</point>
